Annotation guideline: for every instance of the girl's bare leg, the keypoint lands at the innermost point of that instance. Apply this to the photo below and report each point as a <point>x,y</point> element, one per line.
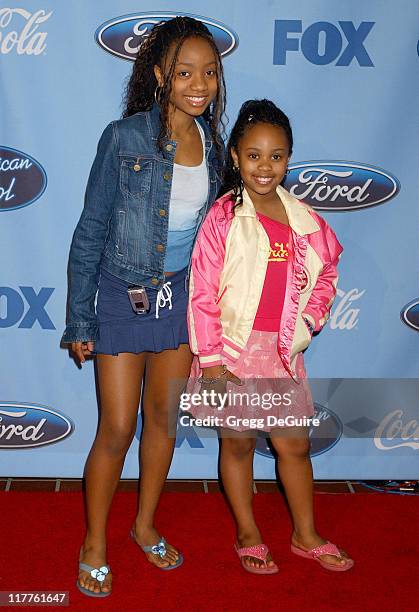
<point>119,380</point>
<point>295,470</point>
<point>166,375</point>
<point>236,466</point>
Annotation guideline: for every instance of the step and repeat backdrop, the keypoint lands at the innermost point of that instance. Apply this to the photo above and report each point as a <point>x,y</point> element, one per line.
<point>346,74</point>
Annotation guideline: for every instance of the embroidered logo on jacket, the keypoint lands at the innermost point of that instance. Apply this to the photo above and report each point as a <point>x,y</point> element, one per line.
<point>279,252</point>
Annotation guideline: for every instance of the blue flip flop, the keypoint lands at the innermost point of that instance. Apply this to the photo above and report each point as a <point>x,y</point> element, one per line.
<point>98,574</point>
<point>160,550</point>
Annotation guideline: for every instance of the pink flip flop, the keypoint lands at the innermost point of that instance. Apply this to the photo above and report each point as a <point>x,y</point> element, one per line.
<point>259,551</point>
<point>325,549</point>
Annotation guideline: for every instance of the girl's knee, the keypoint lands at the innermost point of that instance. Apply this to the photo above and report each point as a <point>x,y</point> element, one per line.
<point>292,447</point>
<point>116,439</point>
<point>157,415</point>
<point>238,447</point>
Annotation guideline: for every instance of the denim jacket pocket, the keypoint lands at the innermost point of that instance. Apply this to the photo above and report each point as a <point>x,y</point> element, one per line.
<point>136,175</point>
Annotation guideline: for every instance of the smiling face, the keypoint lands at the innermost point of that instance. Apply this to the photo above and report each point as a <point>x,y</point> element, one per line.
<point>262,156</point>
<point>194,84</point>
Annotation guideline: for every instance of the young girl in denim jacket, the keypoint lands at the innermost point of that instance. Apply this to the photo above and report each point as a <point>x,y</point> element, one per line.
<point>263,281</point>
<point>154,177</point>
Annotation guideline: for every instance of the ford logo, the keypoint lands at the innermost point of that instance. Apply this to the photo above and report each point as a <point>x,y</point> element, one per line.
<point>123,35</point>
<point>340,185</point>
<point>30,425</point>
<point>22,179</point>
<point>410,314</point>
<point>322,438</point>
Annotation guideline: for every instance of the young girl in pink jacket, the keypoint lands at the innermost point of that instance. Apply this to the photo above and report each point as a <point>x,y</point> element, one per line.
<point>263,280</point>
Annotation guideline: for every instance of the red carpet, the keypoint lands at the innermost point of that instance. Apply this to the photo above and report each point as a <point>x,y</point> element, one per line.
<point>41,535</point>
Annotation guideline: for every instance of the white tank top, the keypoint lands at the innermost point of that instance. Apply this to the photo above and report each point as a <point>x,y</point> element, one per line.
<point>189,192</point>
<point>188,195</point>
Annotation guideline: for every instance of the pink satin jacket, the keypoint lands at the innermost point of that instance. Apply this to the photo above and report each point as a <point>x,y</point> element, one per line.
<point>229,264</point>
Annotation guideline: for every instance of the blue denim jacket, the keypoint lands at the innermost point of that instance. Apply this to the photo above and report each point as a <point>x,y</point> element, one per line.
<point>124,224</point>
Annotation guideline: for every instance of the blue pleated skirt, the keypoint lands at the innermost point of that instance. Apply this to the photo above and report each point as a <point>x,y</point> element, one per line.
<point>121,330</point>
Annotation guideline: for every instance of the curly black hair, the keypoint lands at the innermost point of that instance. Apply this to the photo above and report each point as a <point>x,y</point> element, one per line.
<point>251,113</point>
<point>142,84</point>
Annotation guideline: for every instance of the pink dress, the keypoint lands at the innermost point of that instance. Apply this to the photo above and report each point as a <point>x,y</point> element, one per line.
<point>268,398</point>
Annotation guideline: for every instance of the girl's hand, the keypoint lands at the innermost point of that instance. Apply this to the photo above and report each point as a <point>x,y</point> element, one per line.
<point>216,371</point>
<point>81,349</point>
<point>219,386</point>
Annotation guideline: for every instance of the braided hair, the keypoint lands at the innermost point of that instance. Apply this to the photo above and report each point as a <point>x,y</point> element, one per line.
<point>251,113</point>
<point>141,86</point>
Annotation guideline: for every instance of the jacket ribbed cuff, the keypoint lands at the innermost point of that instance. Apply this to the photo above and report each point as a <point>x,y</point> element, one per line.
<point>208,361</point>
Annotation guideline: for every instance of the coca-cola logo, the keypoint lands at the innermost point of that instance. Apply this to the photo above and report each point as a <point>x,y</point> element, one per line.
<point>22,179</point>
<point>345,313</point>
<point>122,36</point>
<point>31,425</point>
<point>410,314</point>
<point>340,186</point>
<point>20,31</point>
<point>322,437</point>
<point>395,432</point>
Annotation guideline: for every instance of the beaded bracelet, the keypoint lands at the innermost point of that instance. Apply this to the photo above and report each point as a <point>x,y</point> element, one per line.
<point>215,379</point>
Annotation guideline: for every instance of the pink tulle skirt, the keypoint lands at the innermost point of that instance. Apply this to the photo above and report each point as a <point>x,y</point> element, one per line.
<point>266,397</point>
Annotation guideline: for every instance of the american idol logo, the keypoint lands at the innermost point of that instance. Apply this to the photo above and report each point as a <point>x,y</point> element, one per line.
<point>322,437</point>
<point>340,185</point>
<point>395,431</point>
<point>123,35</point>
<point>26,39</point>
<point>30,425</point>
<point>22,179</point>
<point>410,314</point>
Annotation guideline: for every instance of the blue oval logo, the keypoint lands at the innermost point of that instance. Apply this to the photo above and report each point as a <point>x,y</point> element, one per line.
<point>30,425</point>
<point>339,186</point>
<point>322,438</point>
<point>410,314</point>
<point>123,35</point>
<point>22,179</point>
